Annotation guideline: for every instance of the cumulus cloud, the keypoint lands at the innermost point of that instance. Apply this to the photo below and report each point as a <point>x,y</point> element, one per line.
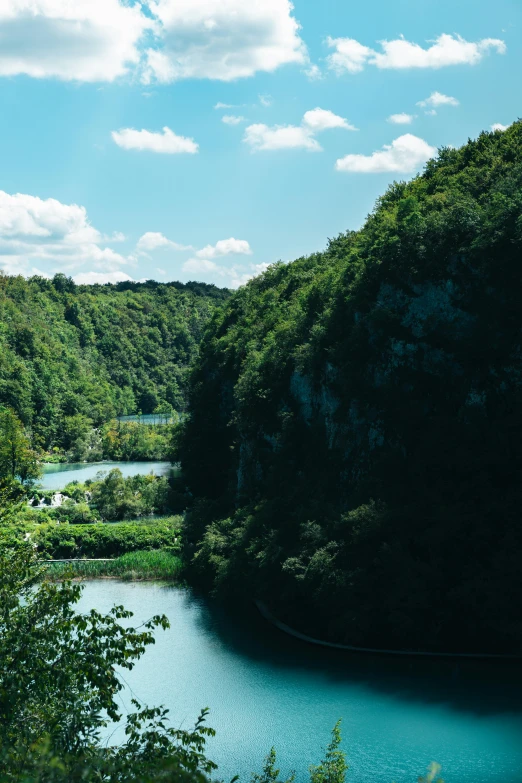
<point>84,40</point>
<point>153,240</point>
<point>497,126</point>
<point>265,100</point>
<point>405,154</point>
<point>438,99</point>
<point>279,137</point>
<point>351,56</point>
<point>166,142</point>
<point>401,119</point>
<point>323,119</point>
<point>225,247</point>
<point>33,230</point>
<point>222,39</point>
<point>232,119</point>
<point>162,40</point>
<point>220,105</point>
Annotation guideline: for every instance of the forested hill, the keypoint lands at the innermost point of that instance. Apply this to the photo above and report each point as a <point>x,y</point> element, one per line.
<point>96,351</point>
<point>356,431</point>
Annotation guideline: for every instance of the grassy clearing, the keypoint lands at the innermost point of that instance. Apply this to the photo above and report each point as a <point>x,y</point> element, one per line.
<point>146,564</point>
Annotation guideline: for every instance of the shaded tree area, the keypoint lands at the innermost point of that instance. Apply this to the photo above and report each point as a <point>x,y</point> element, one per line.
<point>73,357</point>
<point>354,441</point>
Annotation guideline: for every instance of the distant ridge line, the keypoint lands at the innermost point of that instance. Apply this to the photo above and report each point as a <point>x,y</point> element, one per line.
<point>267,614</point>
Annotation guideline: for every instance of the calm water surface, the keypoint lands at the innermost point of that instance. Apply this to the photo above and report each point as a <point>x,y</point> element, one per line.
<point>265,688</point>
<point>56,476</point>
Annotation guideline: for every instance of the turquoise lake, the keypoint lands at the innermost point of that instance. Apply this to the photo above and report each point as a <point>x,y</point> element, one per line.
<point>265,688</point>
<point>56,476</point>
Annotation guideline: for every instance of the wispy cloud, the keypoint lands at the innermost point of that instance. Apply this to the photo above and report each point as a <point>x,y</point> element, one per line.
<point>437,99</point>
<point>154,240</point>
<point>401,119</point>
<point>166,142</point>
<point>232,119</point>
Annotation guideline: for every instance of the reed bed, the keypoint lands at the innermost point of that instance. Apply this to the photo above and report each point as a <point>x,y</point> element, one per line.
<point>144,564</point>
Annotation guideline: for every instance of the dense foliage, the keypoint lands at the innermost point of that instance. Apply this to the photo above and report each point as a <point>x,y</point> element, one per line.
<point>62,541</point>
<point>59,687</point>
<point>73,357</point>
<point>355,439</point>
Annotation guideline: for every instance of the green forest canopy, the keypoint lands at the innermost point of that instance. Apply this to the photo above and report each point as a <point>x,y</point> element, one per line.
<point>355,439</point>
<point>76,356</point>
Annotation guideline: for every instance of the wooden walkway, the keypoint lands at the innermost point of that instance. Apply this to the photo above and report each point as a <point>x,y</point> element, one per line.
<point>267,614</point>
<point>80,560</point>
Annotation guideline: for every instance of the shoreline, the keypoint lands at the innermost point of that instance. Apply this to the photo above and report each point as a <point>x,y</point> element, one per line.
<point>272,619</point>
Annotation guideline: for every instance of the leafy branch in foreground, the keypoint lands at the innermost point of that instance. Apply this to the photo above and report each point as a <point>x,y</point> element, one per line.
<point>58,681</point>
<point>333,768</point>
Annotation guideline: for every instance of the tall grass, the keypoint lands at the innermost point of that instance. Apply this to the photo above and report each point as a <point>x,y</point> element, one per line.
<point>144,564</point>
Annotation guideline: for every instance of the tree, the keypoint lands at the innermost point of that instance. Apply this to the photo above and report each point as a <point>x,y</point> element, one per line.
<point>333,768</point>
<point>110,494</point>
<point>58,679</point>
<point>17,458</point>
<point>269,773</point>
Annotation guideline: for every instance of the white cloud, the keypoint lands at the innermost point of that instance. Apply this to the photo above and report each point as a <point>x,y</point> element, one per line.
<point>116,236</point>
<point>438,99</point>
<point>220,105</point>
<point>349,55</point>
<point>84,40</point>
<point>153,240</point>
<point>35,230</point>
<point>352,56</point>
<point>313,72</point>
<point>161,272</point>
<point>232,277</point>
<point>497,126</point>
<point>323,119</point>
<point>223,39</point>
<point>279,137</point>
<point>401,119</point>
<point>265,100</point>
<point>167,142</point>
<point>90,278</point>
<point>225,247</point>
<point>405,154</point>
<point>232,119</point>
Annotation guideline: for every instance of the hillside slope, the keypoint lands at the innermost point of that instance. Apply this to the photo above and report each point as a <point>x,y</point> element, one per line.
<point>96,351</point>
<point>355,442</point>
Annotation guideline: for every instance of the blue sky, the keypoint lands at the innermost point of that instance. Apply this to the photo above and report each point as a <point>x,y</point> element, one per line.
<point>93,186</point>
